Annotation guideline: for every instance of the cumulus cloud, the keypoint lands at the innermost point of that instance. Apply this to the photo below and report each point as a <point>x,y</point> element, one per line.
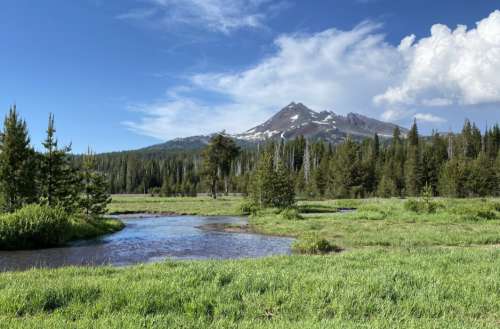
<point>449,67</point>
<point>222,16</point>
<point>332,69</point>
<point>344,71</point>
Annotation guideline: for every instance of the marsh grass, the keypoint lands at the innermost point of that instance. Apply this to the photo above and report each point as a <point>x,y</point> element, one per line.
<point>400,269</point>
<point>387,222</point>
<point>374,288</point>
<point>127,204</point>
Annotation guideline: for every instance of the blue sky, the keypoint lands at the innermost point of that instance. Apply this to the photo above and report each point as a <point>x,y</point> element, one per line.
<point>122,74</point>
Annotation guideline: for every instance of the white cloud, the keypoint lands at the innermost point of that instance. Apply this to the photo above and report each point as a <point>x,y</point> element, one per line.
<point>332,69</point>
<point>343,71</point>
<point>427,117</point>
<point>222,16</point>
<point>182,116</point>
<point>449,67</point>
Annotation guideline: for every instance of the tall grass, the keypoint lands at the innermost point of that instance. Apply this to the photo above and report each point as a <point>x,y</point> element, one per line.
<point>377,288</point>
<point>388,222</point>
<point>34,226</point>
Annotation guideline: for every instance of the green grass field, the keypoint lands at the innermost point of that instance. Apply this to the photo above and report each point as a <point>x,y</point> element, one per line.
<point>399,269</point>
<point>131,204</point>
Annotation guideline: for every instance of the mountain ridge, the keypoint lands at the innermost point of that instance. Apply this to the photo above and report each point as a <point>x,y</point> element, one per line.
<point>296,120</point>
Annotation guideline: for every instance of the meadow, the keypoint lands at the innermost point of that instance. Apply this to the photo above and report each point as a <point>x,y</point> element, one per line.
<point>397,269</point>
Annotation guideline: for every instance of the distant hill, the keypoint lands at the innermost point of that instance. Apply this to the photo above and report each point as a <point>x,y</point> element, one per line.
<point>292,121</point>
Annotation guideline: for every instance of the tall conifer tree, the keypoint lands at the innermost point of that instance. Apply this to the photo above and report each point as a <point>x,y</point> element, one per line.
<point>17,164</point>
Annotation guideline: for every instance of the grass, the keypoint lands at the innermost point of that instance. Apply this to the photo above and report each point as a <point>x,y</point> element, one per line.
<point>378,222</point>
<point>82,229</point>
<point>399,269</point>
<point>131,204</point>
<point>376,288</point>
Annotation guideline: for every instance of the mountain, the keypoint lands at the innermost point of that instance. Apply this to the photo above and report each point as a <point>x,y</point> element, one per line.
<point>292,121</point>
<point>297,119</point>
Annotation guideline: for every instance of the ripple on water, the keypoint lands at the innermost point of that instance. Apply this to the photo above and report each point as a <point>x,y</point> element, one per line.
<point>153,239</point>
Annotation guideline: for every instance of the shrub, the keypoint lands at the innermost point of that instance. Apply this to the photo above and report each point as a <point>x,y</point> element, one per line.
<point>249,208</point>
<point>423,205</point>
<point>413,205</point>
<point>34,226</point>
<point>313,244</point>
<point>486,214</point>
<point>291,214</point>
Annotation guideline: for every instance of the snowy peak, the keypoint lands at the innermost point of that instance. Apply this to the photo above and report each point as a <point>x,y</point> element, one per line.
<point>297,119</point>
<point>292,121</point>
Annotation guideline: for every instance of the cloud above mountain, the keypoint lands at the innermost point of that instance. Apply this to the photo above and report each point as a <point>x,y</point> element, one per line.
<point>345,71</point>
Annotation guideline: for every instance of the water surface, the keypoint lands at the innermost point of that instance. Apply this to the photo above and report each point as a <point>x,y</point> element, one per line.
<point>153,239</point>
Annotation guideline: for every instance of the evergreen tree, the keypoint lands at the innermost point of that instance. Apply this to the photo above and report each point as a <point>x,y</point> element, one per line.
<point>347,170</point>
<point>321,178</point>
<point>57,179</point>
<point>218,157</point>
<point>413,169</point>
<point>397,157</point>
<point>434,156</point>
<point>482,180</point>
<point>387,186</point>
<point>272,188</point>
<point>95,197</point>
<point>453,178</point>
<point>17,164</point>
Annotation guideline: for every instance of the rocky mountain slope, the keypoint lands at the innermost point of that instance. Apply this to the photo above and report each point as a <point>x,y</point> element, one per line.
<point>295,120</point>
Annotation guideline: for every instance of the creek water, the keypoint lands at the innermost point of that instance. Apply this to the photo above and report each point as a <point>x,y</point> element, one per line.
<point>145,240</point>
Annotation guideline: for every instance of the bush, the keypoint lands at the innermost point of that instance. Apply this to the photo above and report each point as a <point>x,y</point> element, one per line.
<point>249,208</point>
<point>34,226</point>
<point>486,214</point>
<point>291,214</point>
<point>313,244</point>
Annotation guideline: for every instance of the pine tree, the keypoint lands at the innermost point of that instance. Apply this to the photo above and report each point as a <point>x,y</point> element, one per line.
<point>347,170</point>
<point>17,164</point>
<point>387,186</point>
<point>321,176</point>
<point>453,178</point>
<point>95,197</point>
<point>397,156</point>
<point>434,156</point>
<point>482,180</point>
<point>218,157</point>
<point>272,188</point>
<point>57,179</point>
<point>413,169</point>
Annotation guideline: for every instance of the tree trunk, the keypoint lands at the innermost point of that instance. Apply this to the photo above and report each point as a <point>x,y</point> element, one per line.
<point>226,186</point>
<point>214,189</point>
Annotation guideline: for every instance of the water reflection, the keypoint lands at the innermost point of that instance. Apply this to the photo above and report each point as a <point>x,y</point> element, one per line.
<point>153,239</point>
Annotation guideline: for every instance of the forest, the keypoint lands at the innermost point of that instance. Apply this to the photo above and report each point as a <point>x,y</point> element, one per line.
<point>464,164</point>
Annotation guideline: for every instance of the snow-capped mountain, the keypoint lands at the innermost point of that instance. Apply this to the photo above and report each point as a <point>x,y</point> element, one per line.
<point>292,121</point>
<point>297,119</point>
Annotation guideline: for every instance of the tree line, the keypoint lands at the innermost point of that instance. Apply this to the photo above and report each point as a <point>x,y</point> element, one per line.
<point>49,177</point>
<point>464,164</point>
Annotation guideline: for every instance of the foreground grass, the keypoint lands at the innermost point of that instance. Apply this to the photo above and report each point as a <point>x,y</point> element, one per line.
<point>130,204</point>
<point>371,288</point>
<point>379,222</point>
<point>401,270</point>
